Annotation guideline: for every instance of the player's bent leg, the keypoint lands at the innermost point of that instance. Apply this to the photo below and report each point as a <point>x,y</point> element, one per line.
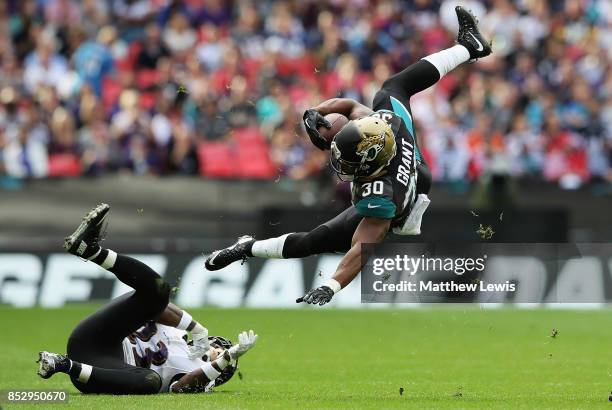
<point>108,326</point>
<point>123,315</point>
<point>145,281</point>
<point>130,380</point>
<point>332,236</point>
<point>303,244</point>
<point>126,313</point>
<point>84,242</point>
<point>97,341</point>
<point>118,378</point>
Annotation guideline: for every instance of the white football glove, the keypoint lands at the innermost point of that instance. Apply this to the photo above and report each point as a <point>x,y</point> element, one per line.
<point>246,340</point>
<point>200,346</point>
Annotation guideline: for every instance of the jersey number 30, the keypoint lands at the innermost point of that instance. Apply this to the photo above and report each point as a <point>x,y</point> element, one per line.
<point>375,188</point>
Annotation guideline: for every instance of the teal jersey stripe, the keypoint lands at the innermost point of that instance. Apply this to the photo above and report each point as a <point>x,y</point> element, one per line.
<point>402,111</point>
<point>399,109</point>
<point>377,207</point>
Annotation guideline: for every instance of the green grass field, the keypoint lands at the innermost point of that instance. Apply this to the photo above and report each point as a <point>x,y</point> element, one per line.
<point>443,358</point>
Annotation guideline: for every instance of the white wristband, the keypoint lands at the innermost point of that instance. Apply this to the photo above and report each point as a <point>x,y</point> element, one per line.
<point>186,320</point>
<point>209,371</point>
<point>333,284</point>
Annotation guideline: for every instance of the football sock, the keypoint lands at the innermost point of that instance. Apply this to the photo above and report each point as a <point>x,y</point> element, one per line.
<point>79,371</point>
<point>446,60</point>
<point>268,248</point>
<point>105,258</point>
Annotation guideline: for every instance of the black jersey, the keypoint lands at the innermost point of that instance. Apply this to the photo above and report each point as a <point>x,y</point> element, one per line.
<point>392,195</point>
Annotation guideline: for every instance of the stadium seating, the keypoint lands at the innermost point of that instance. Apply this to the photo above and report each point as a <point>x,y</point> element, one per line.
<point>64,165</point>
<point>216,160</point>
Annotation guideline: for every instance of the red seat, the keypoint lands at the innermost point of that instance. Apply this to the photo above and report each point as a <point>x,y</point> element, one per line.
<point>215,160</point>
<point>127,63</point>
<point>64,165</point>
<point>258,168</point>
<point>111,89</point>
<point>146,79</point>
<point>249,136</point>
<point>254,161</point>
<point>147,100</point>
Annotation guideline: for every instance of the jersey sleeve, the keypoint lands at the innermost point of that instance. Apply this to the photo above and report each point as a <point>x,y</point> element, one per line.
<point>375,199</point>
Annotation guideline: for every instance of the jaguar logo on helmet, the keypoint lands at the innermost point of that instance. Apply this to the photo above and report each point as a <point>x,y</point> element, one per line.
<point>362,148</point>
<point>370,146</point>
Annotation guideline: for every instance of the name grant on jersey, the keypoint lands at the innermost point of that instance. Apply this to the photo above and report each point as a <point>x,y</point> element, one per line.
<point>405,168</point>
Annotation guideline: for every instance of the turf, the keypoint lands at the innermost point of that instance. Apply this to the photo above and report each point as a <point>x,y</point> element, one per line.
<point>309,358</point>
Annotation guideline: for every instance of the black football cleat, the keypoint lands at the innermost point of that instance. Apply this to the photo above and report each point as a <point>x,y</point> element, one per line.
<point>84,242</point>
<point>469,36</point>
<point>51,363</point>
<point>221,258</point>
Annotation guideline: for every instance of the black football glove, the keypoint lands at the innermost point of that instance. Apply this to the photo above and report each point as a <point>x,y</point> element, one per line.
<point>320,295</point>
<point>312,121</point>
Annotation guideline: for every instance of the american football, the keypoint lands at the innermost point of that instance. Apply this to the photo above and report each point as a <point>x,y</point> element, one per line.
<point>305,204</point>
<point>337,121</point>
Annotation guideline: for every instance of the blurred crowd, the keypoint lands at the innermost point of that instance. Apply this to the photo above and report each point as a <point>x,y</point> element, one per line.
<point>217,88</point>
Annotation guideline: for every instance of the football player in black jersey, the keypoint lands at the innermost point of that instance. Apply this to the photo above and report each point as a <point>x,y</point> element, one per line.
<point>377,150</point>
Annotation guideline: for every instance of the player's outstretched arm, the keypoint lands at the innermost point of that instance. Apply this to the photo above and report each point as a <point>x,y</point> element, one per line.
<point>369,230</point>
<point>199,379</point>
<point>180,319</point>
